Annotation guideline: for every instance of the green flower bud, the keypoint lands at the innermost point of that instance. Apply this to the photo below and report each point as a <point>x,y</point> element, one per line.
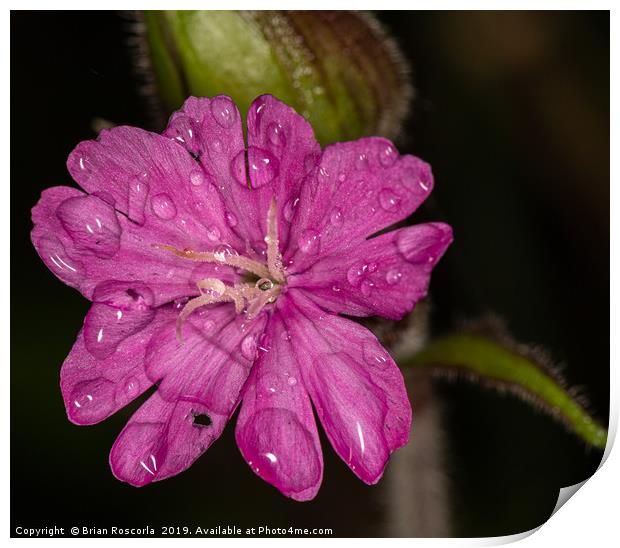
<point>338,69</point>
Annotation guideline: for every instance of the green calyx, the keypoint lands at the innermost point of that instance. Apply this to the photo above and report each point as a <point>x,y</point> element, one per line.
<point>337,69</point>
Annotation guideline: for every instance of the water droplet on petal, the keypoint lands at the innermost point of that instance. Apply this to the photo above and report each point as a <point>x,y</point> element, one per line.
<point>263,165</point>
<point>91,401</point>
<point>361,162</point>
<point>372,267</point>
<point>61,264</point>
<point>208,325</point>
<point>336,218</point>
<point>127,390</point>
<point>248,347</point>
<point>367,286</point>
<point>197,178</point>
<point>224,111</point>
<point>309,241</point>
<point>387,156</point>
<point>213,233</point>
<point>163,206</point>
<point>231,219</point>
<point>342,177</point>
<point>292,381</point>
<point>356,273</point>
<point>374,354</point>
<point>336,288</point>
<point>216,145</point>
<point>289,209</point>
<point>92,225</point>
<point>393,276</point>
<point>389,200</point>
<point>237,168</point>
<point>310,162</point>
<point>286,336</point>
<point>138,192</point>
<point>275,134</point>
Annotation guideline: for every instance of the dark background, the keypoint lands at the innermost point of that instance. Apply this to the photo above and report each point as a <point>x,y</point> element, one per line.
<point>511,110</point>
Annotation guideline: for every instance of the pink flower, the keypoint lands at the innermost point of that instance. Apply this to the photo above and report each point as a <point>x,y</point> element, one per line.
<point>225,292</point>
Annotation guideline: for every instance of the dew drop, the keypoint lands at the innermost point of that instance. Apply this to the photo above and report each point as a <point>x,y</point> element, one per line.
<point>163,206</point>
<point>196,178</point>
<point>309,241</point>
<point>336,217</point>
<point>136,201</point>
<point>289,209</point>
<point>366,288</point>
<point>387,156</point>
<point>248,347</point>
<point>128,390</point>
<point>92,225</point>
<point>231,219</point>
<point>358,272</point>
<point>375,354</point>
<point>389,200</point>
<point>276,135</point>
<point>263,165</point>
<point>213,233</point>
<point>310,162</point>
<point>336,288</point>
<point>355,274</point>
<point>92,401</point>
<point>223,111</point>
<point>361,162</point>
<point>208,326</point>
<point>292,381</point>
<point>342,177</point>
<point>237,168</point>
<point>216,145</point>
<point>393,276</point>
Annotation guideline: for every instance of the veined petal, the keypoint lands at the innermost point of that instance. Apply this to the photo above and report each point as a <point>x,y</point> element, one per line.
<point>281,145</point>
<point>357,389</point>
<point>93,389</point>
<point>357,189</point>
<point>156,183</point>
<point>85,241</point>
<point>213,360</point>
<point>164,438</point>
<point>384,276</point>
<point>276,431</point>
<point>276,133</point>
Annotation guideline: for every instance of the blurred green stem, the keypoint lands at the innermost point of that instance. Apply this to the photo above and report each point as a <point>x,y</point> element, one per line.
<point>495,364</point>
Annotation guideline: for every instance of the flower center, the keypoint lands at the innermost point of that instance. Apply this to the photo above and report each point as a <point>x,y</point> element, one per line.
<point>249,298</point>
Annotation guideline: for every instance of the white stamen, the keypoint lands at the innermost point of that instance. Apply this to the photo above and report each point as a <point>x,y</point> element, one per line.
<point>274,258</point>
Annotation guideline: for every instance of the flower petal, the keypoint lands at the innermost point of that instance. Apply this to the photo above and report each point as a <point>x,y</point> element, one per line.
<point>383,276</point>
<point>281,148</point>
<point>357,189</point>
<point>156,183</point>
<point>211,130</point>
<point>276,431</point>
<point>212,362</point>
<point>279,143</point>
<point>357,389</point>
<point>163,439</point>
<point>92,388</point>
<point>84,241</point>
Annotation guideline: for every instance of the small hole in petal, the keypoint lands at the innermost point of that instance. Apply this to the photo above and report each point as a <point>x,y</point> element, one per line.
<point>202,419</point>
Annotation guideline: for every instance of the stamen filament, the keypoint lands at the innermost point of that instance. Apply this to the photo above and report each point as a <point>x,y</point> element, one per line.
<point>274,258</point>
<point>236,261</point>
